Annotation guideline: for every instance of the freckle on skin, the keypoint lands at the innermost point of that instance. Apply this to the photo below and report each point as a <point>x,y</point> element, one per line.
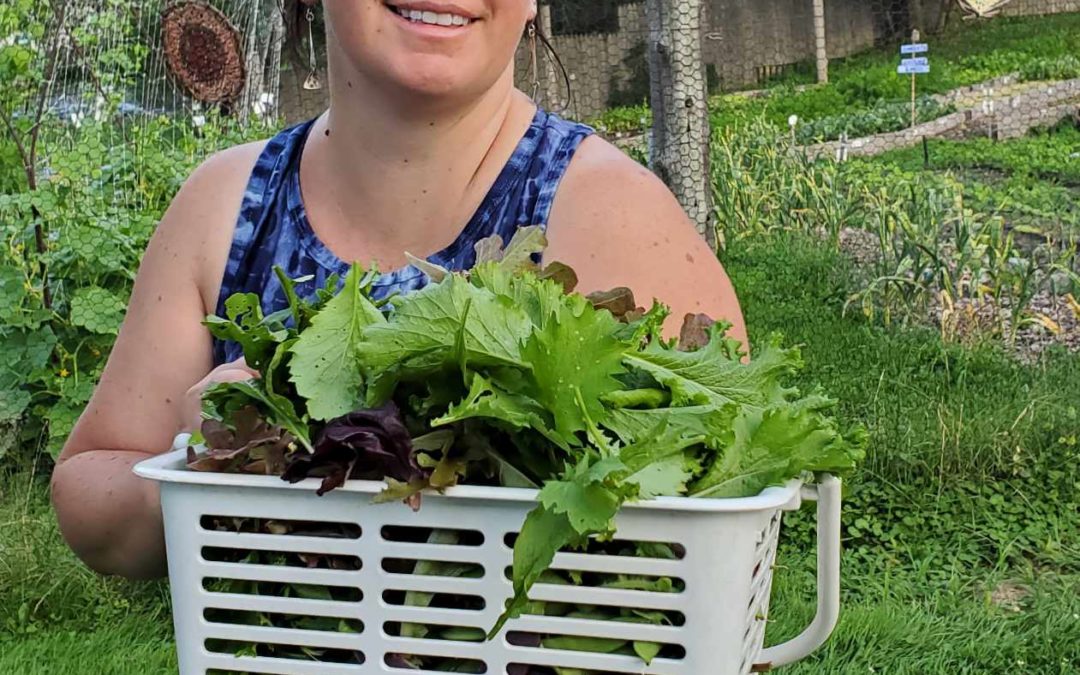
<point>327,132</point>
<point>689,258</point>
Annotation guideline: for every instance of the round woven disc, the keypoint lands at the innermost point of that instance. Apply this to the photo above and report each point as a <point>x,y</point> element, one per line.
<point>202,50</point>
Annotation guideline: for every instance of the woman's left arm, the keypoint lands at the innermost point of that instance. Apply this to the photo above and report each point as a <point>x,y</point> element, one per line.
<point>617,224</point>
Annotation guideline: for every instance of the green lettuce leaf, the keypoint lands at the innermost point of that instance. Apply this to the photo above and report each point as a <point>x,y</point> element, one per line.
<point>223,400</point>
<point>451,324</point>
<point>772,446</point>
<point>325,364</point>
<point>245,324</point>
<point>714,375</point>
<point>487,400</point>
<point>575,352</point>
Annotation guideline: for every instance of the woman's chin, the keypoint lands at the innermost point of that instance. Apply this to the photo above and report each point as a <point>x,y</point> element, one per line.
<point>435,85</point>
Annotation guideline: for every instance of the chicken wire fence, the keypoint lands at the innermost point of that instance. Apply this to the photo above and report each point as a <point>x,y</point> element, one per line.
<point>107,105</point>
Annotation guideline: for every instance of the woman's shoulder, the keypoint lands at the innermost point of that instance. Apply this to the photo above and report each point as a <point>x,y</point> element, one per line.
<point>601,177</point>
<point>199,223</point>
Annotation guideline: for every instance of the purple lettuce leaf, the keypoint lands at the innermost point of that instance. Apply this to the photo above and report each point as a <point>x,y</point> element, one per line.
<point>366,444</point>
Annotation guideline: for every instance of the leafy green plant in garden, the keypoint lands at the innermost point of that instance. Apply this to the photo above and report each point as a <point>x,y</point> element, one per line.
<point>1047,154</point>
<point>81,196</point>
<point>934,251</point>
<point>763,183</point>
<point>880,118</point>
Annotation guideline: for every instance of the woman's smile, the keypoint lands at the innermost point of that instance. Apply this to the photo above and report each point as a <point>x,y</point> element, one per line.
<point>432,19</point>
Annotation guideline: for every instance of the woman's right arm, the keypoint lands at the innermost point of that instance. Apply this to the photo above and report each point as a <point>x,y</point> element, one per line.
<point>110,517</point>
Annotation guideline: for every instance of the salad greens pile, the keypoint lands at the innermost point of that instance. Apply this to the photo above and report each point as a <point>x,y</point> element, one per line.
<point>503,375</point>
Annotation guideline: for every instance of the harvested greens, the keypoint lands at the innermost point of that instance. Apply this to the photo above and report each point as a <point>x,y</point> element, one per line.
<point>504,376</point>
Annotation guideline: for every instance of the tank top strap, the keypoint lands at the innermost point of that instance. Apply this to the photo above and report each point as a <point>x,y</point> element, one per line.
<point>260,203</point>
<point>557,148</point>
<point>525,192</point>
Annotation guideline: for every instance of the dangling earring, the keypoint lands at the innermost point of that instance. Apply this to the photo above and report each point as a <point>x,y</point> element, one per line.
<point>312,82</point>
<point>535,66</point>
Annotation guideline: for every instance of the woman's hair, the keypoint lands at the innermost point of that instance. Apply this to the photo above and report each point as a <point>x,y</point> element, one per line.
<point>295,16</point>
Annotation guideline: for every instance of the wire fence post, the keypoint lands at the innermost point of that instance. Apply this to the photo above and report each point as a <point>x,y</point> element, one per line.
<point>679,146</point>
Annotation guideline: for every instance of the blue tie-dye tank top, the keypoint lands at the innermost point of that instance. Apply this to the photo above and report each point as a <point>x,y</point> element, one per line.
<point>273,229</point>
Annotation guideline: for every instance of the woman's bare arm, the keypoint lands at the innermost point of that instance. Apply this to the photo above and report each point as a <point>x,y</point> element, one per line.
<point>617,224</point>
<point>110,517</point>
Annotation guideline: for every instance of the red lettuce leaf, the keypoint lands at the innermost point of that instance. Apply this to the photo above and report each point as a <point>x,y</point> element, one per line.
<point>367,444</point>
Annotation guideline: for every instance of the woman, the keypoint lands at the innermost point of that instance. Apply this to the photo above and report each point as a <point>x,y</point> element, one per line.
<point>426,148</point>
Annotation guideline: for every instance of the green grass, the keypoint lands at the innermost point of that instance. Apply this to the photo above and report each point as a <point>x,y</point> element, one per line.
<point>896,625</point>
<point>130,646</point>
<point>970,484</point>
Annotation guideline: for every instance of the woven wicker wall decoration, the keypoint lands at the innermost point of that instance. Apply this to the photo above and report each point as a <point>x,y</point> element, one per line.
<point>203,51</point>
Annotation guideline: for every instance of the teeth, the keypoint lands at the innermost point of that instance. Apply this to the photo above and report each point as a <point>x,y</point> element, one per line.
<point>433,18</point>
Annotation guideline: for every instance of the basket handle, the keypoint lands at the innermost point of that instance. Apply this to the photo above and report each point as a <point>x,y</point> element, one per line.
<point>827,495</point>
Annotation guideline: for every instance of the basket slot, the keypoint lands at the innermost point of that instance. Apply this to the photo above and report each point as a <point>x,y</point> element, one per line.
<point>270,604</point>
<point>412,567</point>
<point>674,618</point>
<point>595,662</point>
<point>287,528</point>
<point>760,583</point>
<point>437,616</point>
<point>290,636</point>
<point>457,631</point>
<point>241,556</point>
<point>280,574</point>
<point>272,666</point>
<point>526,669</point>
<point>279,542</point>
<point>426,647</point>
<point>752,644</point>
<point>620,630</point>
<point>421,535</point>
<point>618,564</point>
<point>608,580</point>
<point>609,597</point>
<point>454,666</point>
<point>439,552</point>
<point>429,584</point>
<point>330,624</point>
<point>617,548</point>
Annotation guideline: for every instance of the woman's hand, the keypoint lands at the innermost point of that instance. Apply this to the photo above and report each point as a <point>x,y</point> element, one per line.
<point>235,371</point>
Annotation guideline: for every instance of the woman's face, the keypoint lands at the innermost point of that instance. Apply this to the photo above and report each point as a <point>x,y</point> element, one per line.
<point>456,48</point>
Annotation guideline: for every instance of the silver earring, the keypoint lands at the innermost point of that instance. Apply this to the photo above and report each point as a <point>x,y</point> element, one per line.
<point>312,82</point>
<point>535,67</point>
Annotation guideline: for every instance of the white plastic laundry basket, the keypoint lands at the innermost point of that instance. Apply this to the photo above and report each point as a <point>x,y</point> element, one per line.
<point>723,576</point>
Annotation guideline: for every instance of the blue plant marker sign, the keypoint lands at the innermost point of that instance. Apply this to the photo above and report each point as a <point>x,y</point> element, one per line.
<point>913,68</point>
<point>914,65</point>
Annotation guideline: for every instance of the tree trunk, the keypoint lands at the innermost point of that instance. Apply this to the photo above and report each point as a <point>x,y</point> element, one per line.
<point>679,147</point>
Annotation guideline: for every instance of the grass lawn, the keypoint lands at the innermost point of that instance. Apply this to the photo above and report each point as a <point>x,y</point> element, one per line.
<point>962,548</point>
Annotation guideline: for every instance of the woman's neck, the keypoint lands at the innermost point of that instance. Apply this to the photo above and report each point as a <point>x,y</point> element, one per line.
<point>382,176</point>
